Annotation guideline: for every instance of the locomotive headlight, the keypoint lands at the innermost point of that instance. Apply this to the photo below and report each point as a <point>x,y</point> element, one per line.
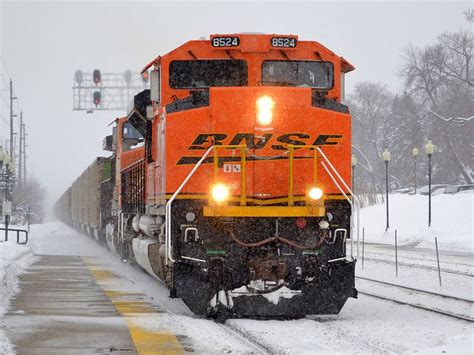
<point>219,192</point>
<point>315,193</point>
<point>265,106</point>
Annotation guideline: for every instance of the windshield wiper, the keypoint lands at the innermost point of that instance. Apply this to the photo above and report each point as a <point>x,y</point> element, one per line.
<point>323,64</point>
<point>278,83</point>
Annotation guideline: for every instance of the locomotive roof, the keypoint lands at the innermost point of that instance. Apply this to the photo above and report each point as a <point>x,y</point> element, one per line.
<point>256,43</point>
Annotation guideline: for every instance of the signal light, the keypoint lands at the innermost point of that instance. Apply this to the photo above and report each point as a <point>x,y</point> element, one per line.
<point>96,97</point>
<point>145,76</point>
<point>79,77</point>
<point>127,76</point>
<point>96,76</point>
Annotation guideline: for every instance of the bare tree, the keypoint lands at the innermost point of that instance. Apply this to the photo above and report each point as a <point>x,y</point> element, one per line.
<point>32,194</point>
<point>440,77</point>
<point>370,106</point>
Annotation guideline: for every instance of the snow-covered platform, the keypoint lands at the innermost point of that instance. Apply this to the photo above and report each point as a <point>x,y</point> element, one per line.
<point>64,294</point>
<point>74,297</point>
<point>62,310</point>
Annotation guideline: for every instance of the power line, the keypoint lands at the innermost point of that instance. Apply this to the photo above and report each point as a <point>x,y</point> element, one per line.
<point>4,118</point>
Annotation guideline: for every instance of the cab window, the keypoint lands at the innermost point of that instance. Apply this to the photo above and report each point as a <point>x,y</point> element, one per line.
<point>313,74</point>
<point>185,74</point>
<point>131,138</point>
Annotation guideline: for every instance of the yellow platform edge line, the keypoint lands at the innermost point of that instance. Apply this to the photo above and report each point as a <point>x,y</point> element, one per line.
<point>146,341</point>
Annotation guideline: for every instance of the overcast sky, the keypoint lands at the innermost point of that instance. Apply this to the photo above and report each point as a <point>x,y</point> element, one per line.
<point>42,44</point>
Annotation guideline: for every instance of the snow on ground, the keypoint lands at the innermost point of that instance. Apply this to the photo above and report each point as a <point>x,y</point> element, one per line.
<point>14,259</point>
<point>365,325</point>
<point>206,336</point>
<point>411,275</point>
<point>452,221</point>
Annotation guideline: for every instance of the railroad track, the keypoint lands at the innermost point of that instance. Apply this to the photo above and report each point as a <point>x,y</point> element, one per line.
<point>248,338</point>
<point>413,256</point>
<point>414,291</point>
<point>419,266</point>
<point>244,337</point>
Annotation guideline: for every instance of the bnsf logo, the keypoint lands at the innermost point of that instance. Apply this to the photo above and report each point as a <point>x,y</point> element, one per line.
<point>204,141</point>
<point>252,141</point>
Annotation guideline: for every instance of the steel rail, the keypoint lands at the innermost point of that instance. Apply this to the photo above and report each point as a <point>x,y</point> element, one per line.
<point>248,338</point>
<point>416,289</point>
<point>416,266</point>
<point>419,306</point>
<point>387,252</point>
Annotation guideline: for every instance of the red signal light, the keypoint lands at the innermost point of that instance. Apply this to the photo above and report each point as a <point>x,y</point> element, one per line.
<point>96,97</point>
<point>145,76</point>
<point>96,76</point>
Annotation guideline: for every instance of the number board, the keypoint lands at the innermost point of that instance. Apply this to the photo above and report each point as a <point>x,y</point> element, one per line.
<point>231,168</point>
<point>225,42</point>
<point>284,42</point>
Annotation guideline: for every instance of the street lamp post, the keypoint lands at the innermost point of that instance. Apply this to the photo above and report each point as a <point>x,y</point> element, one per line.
<point>429,149</point>
<point>353,164</point>
<point>415,153</point>
<point>386,158</point>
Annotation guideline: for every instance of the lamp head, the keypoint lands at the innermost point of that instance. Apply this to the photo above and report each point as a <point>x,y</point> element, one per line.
<point>415,152</point>
<point>353,160</point>
<point>386,156</point>
<point>429,148</point>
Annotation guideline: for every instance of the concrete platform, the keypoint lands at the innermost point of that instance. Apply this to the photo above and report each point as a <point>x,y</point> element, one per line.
<point>64,308</point>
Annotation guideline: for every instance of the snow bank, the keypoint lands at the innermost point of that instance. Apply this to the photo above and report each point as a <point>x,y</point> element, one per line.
<point>14,259</point>
<point>451,221</point>
<point>460,344</point>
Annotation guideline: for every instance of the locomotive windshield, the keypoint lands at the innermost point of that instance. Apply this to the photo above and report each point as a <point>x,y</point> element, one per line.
<point>131,138</point>
<point>129,132</point>
<point>186,74</point>
<point>318,75</point>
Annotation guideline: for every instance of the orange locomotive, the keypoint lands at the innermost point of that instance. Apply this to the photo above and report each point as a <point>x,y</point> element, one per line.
<point>240,215</point>
<point>241,203</point>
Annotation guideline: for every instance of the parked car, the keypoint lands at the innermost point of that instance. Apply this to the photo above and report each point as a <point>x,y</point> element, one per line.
<point>454,189</point>
<point>424,190</point>
<point>403,191</point>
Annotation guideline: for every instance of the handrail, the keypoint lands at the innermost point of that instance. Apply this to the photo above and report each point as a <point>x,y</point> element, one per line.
<point>17,234</point>
<point>168,224</point>
<point>168,240</point>
<point>355,199</point>
<point>347,198</point>
<point>291,157</point>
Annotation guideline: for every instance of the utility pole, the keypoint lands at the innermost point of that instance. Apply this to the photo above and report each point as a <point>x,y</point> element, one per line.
<point>20,148</point>
<point>24,153</point>
<point>13,154</point>
<point>11,118</point>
